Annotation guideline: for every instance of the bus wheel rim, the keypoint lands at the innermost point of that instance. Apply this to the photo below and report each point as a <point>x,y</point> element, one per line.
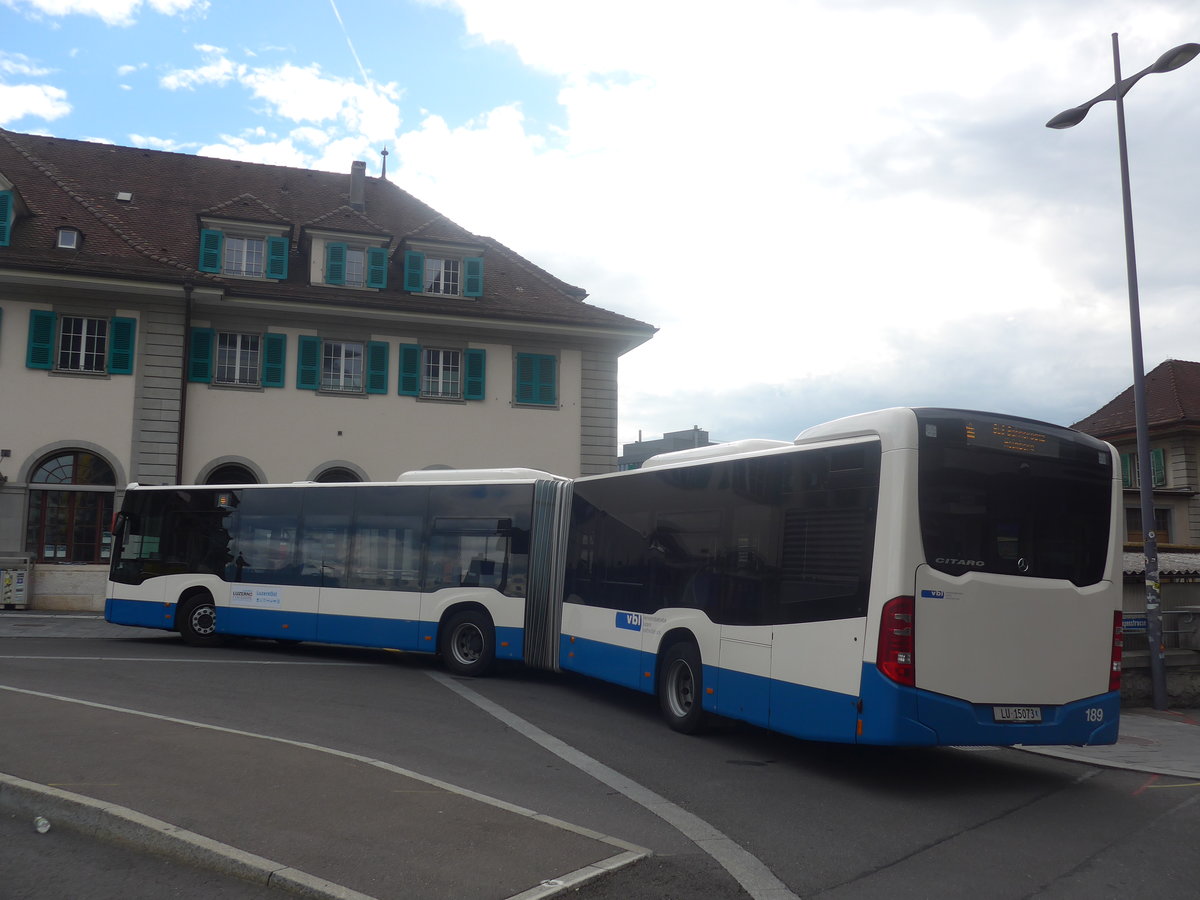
<point>204,620</point>
<point>467,644</point>
<point>682,689</point>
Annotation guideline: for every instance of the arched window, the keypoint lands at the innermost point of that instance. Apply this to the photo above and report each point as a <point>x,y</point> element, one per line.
<point>337,475</point>
<point>231,473</point>
<point>70,508</point>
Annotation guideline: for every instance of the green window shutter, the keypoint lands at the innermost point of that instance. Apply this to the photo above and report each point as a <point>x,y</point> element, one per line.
<point>335,263</point>
<point>473,280</point>
<point>474,383</point>
<point>410,370</point>
<point>7,214</point>
<point>377,367</point>
<point>211,244</point>
<point>536,383</point>
<point>274,360</point>
<point>1128,466</point>
<point>1158,467</point>
<point>122,344</point>
<point>200,355</point>
<point>308,363</point>
<point>40,352</point>
<point>414,271</point>
<point>377,266</point>
<point>277,257</point>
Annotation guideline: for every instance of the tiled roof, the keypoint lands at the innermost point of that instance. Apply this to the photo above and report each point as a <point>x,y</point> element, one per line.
<point>1172,399</point>
<point>155,234</point>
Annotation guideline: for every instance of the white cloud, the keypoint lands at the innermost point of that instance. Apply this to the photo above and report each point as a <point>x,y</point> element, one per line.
<point>217,69</point>
<point>21,65</point>
<point>111,12</point>
<point>41,100</point>
<point>169,144</point>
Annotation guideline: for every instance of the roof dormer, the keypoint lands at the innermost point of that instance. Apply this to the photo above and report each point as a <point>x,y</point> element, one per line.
<point>12,207</point>
<point>346,249</point>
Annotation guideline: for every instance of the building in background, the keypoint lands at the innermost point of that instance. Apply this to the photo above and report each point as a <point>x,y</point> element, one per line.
<point>633,455</point>
<point>1173,417</point>
<point>167,318</point>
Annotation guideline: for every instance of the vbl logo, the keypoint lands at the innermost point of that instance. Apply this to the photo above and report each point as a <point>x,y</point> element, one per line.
<point>938,595</point>
<point>631,621</point>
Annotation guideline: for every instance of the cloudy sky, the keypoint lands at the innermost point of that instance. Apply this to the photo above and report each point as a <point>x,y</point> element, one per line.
<point>825,206</point>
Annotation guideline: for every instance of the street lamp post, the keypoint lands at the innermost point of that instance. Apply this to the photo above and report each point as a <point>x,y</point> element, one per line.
<point>1172,59</point>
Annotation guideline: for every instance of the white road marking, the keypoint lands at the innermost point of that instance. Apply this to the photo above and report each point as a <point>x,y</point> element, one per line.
<point>749,871</point>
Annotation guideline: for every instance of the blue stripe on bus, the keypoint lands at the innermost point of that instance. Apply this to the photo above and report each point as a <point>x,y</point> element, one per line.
<point>898,715</point>
<point>146,614</point>
<point>359,631</point>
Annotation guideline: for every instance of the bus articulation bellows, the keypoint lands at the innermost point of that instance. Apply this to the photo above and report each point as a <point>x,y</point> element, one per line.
<point>904,577</point>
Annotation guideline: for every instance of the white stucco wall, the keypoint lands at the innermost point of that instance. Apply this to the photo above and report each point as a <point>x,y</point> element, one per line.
<point>290,433</point>
<point>41,409</point>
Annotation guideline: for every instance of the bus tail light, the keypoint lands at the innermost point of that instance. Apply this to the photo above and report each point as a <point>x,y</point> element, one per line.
<point>1118,648</point>
<point>895,657</point>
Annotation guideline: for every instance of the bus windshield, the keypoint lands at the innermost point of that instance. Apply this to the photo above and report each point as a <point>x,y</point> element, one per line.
<point>1011,497</point>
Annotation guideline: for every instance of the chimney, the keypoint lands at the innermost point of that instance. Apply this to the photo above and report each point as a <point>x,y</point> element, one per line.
<point>358,185</point>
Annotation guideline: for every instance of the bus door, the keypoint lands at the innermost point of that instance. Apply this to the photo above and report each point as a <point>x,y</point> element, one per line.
<point>1016,644</point>
<point>365,545</point>
<point>271,593</point>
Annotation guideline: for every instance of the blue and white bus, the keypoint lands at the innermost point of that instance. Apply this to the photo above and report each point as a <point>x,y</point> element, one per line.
<point>910,576</point>
<point>439,561</point>
<point>904,577</point>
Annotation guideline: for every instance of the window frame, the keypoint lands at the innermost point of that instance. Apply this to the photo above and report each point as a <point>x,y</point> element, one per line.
<point>310,365</point>
<point>216,233</point>
<point>536,380</point>
<point>77,500</point>
<point>468,261</point>
<point>46,340</point>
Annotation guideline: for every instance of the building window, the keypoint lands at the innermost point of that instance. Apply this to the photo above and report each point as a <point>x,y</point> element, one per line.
<point>357,266</point>
<point>237,358</point>
<point>68,239</point>
<point>80,344</point>
<point>70,508</point>
<point>337,475</point>
<point>244,255</point>
<point>342,366</point>
<point>442,374</point>
<point>1133,525</point>
<point>443,274</point>
<point>536,379</point>
<point>1131,471</point>
<point>231,473</point>
<point>345,367</point>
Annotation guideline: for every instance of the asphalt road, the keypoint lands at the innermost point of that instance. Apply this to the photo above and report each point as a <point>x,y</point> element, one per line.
<point>824,820</point>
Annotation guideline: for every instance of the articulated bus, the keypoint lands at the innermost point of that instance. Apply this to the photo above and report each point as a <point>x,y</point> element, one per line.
<point>905,577</point>
<point>438,561</point>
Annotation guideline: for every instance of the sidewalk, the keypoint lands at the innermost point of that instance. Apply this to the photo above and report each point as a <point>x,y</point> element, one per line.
<point>1165,742</point>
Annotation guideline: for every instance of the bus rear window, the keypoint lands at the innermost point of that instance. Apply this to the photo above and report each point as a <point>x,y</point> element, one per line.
<point>1011,497</point>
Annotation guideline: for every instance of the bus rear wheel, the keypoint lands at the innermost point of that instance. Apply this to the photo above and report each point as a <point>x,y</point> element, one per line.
<point>468,643</point>
<point>197,618</point>
<point>680,688</point>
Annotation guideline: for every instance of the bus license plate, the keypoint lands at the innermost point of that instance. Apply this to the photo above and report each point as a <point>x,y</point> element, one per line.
<point>1017,713</point>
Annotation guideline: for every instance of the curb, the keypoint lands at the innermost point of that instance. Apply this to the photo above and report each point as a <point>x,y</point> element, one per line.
<point>113,822</point>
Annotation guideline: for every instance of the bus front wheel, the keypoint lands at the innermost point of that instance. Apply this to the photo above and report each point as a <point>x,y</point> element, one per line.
<point>468,643</point>
<point>197,618</point>
<point>680,686</point>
